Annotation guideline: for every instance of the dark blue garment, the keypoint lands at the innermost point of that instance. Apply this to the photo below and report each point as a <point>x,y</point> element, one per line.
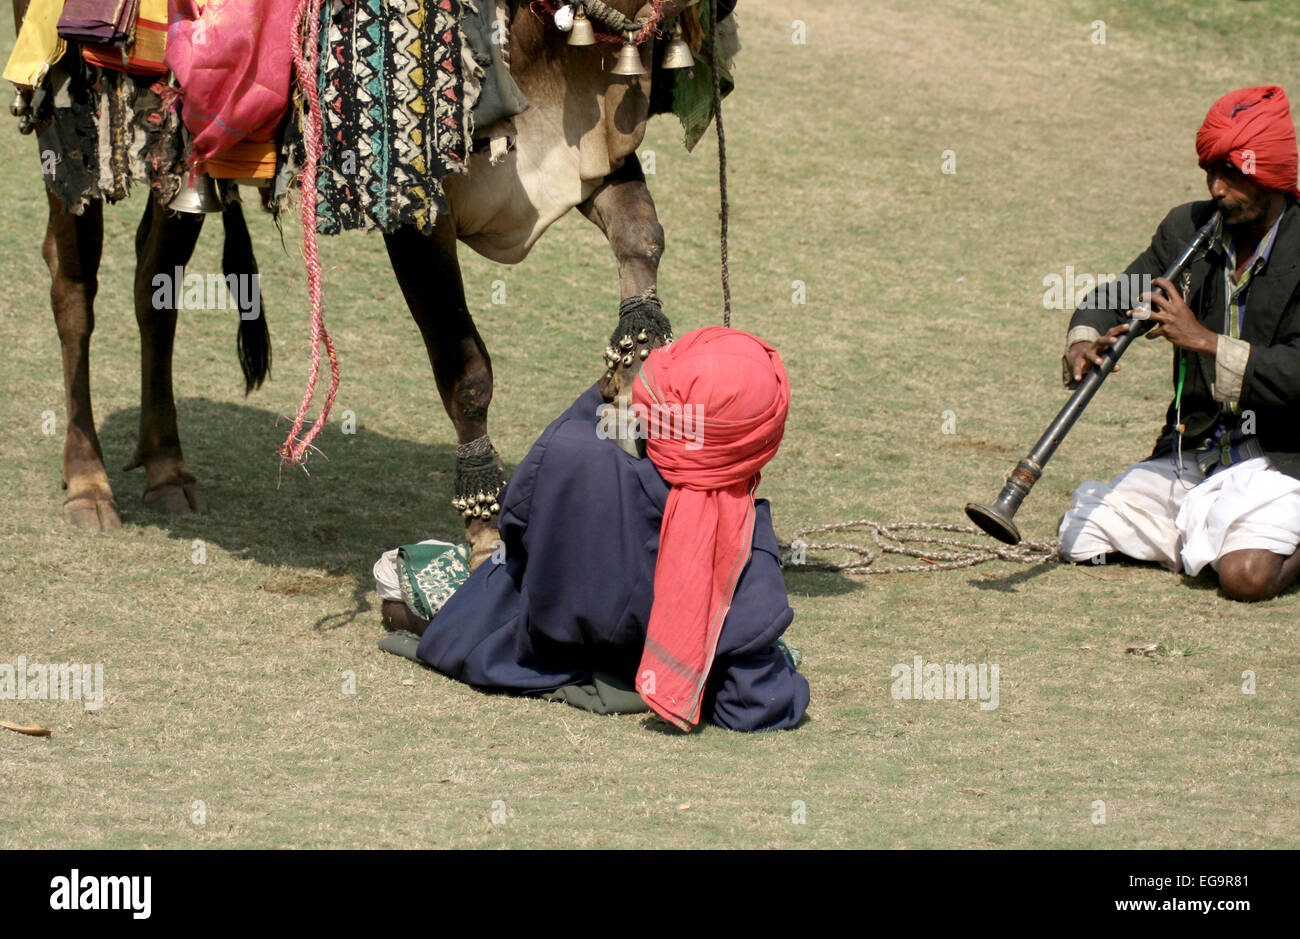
<point>580,521</point>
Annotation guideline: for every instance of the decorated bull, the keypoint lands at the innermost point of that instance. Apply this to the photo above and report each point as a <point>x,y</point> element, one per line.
<point>432,121</point>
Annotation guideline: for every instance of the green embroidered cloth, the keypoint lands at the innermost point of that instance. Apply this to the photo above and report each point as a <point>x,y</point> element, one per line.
<point>430,573</point>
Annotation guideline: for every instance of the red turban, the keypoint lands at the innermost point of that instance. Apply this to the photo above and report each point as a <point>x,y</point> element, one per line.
<point>1252,129</point>
<point>728,391</point>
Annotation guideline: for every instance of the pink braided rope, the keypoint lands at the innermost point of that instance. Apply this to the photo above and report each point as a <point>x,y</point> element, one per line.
<point>307,67</point>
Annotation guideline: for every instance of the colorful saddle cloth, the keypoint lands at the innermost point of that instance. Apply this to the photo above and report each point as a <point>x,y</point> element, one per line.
<point>397,88</point>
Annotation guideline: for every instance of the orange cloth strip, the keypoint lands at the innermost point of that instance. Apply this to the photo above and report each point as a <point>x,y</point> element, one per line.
<point>248,159</point>
<point>145,55</point>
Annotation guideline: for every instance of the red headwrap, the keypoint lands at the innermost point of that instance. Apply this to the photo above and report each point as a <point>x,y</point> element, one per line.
<point>1252,128</point>
<point>737,389</point>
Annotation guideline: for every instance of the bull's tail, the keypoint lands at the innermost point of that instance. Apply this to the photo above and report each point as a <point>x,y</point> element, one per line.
<point>253,341</point>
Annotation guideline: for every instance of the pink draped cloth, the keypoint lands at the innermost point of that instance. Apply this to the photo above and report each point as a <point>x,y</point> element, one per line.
<point>232,60</point>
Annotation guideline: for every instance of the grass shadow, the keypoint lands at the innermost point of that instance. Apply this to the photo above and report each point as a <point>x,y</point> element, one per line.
<point>814,582</point>
<point>363,494</point>
<point>1008,583</point>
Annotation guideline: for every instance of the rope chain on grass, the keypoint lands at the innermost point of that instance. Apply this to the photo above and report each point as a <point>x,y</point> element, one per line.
<point>903,538</point>
<point>306,32</point>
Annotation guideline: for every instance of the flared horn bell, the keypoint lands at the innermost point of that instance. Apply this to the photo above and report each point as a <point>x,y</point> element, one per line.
<point>629,61</point>
<point>198,196</point>
<point>582,33</point>
<point>678,53</point>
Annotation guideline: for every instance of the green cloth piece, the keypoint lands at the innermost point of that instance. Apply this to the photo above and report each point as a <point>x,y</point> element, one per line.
<point>693,89</point>
<point>604,694</point>
<point>793,656</point>
<point>403,643</point>
<point>430,573</point>
<point>500,97</point>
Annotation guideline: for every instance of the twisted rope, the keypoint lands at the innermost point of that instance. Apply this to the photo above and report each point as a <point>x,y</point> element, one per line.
<point>307,66</point>
<point>902,538</point>
<point>724,211</point>
<point>617,24</point>
<point>620,24</point>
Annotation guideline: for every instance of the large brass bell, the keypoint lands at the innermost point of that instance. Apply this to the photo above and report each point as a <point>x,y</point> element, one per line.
<point>198,196</point>
<point>678,53</point>
<point>629,61</point>
<point>582,33</point>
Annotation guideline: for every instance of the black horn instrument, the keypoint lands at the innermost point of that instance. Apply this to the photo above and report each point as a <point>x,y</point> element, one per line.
<point>997,519</point>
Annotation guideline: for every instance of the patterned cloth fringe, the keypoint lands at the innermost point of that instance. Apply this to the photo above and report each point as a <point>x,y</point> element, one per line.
<point>108,131</point>
<point>397,86</point>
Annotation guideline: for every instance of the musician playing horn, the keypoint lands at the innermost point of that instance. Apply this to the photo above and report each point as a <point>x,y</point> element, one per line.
<point>1222,487</point>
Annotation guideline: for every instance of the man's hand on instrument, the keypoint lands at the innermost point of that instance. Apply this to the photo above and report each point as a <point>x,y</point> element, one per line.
<point>1082,356</point>
<point>1177,322</point>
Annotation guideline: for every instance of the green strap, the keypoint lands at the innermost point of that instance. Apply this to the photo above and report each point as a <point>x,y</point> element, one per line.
<point>1182,375</point>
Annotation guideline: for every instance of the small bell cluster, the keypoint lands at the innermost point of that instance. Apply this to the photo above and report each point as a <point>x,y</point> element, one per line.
<point>480,505</point>
<point>572,18</point>
<point>627,352</point>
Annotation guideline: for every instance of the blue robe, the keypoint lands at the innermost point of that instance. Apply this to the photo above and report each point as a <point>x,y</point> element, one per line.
<point>580,522</point>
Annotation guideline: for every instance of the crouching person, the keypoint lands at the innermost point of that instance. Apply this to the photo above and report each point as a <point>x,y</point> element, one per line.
<point>627,582</point>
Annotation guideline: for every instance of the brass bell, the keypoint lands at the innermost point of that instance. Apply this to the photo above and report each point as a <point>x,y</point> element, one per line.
<point>198,196</point>
<point>582,33</point>
<point>629,61</point>
<point>678,53</point>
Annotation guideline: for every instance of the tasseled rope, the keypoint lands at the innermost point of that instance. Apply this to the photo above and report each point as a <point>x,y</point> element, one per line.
<point>307,66</point>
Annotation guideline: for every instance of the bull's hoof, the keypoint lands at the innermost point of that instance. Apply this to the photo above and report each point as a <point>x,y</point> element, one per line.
<point>642,327</point>
<point>483,539</point>
<point>96,513</point>
<point>178,496</point>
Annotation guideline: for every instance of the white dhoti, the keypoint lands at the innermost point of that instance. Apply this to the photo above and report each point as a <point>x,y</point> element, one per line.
<point>1154,512</point>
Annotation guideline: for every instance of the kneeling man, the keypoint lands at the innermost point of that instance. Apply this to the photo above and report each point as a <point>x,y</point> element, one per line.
<point>660,572</point>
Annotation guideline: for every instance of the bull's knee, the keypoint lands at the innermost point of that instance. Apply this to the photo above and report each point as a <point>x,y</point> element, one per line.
<point>1249,576</point>
<point>641,239</point>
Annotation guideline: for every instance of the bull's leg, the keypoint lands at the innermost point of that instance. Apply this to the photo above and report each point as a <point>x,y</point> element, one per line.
<point>429,275</point>
<point>623,209</point>
<point>163,242</point>
<point>71,250</point>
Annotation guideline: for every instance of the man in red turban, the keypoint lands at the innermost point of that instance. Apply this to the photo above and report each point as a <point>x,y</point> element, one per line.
<point>735,386</point>
<point>1222,487</point>
<point>629,582</point>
